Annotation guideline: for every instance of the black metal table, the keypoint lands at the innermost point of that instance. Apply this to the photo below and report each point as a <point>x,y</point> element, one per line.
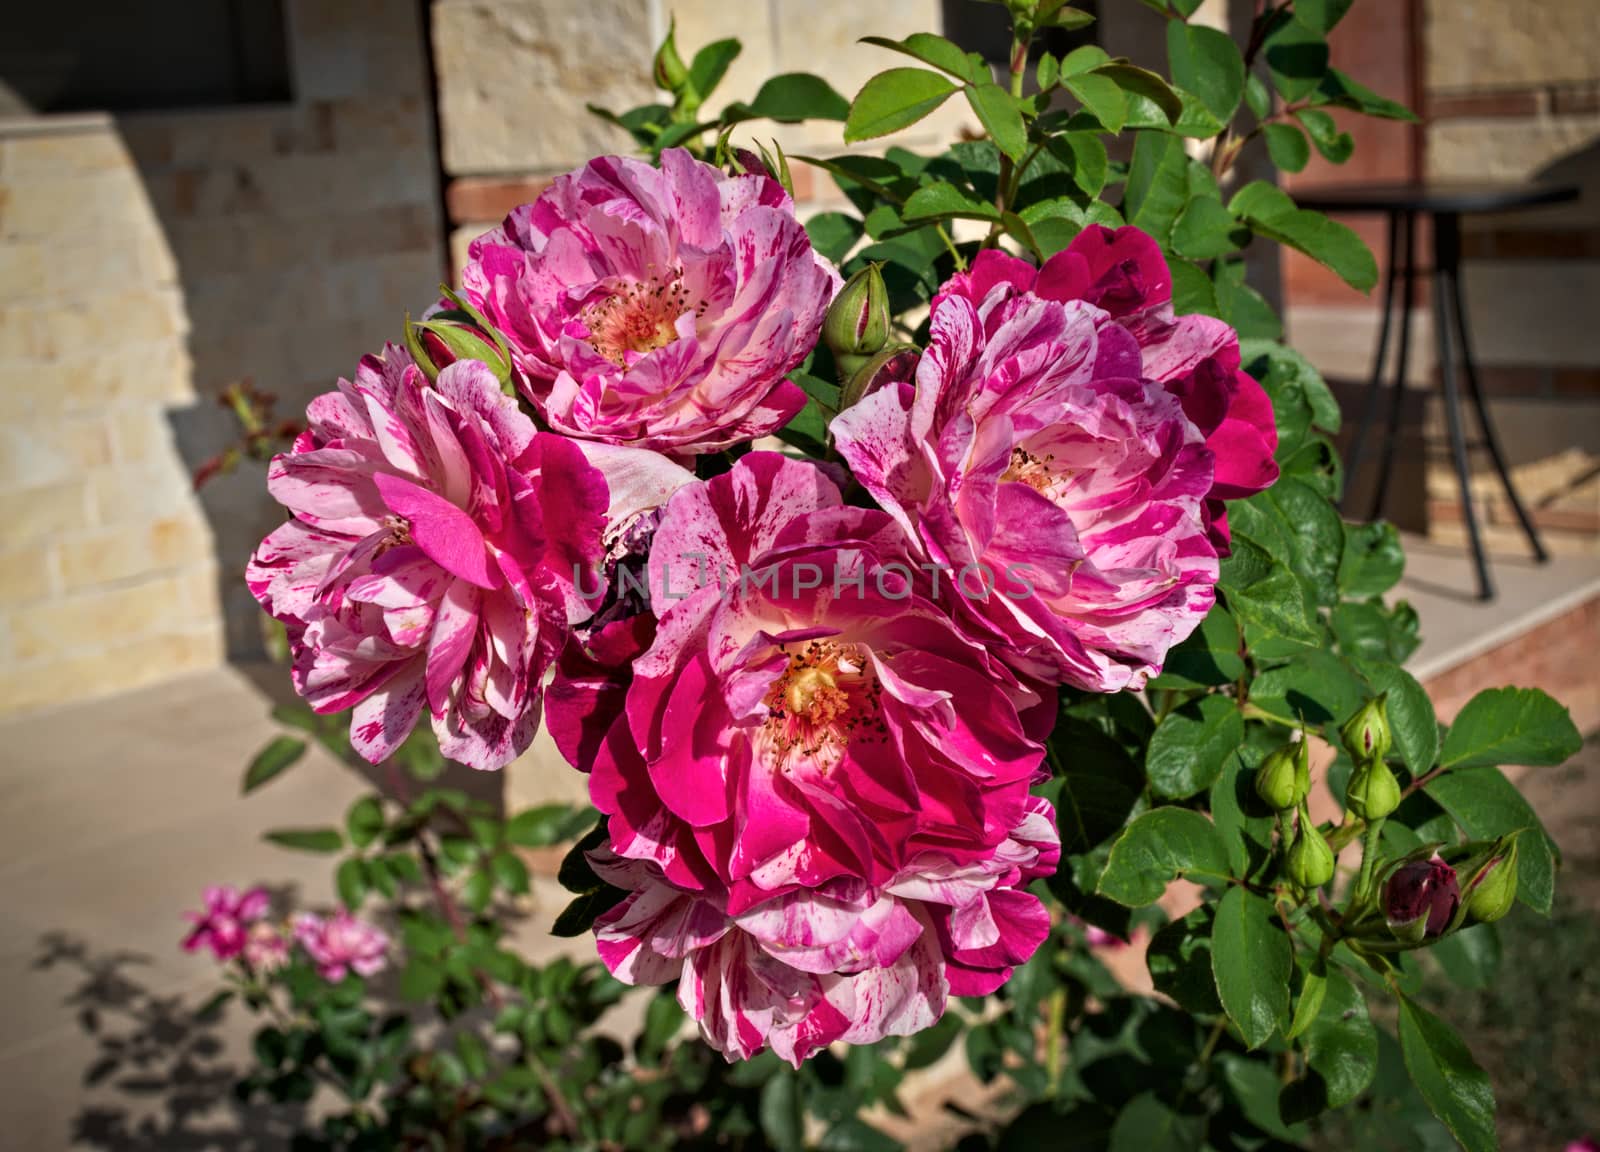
<point>1402,204</point>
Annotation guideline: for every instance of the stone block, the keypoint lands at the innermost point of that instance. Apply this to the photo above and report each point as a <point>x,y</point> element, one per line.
<point>514,76</point>
<point>42,513</point>
<point>138,493</point>
<point>113,668</point>
<point>38,454</point>
<point>1505,149</point>
<point>98,616</point>
<point>1504,43</point>
<point>27,574</point>
<point>127,552</point>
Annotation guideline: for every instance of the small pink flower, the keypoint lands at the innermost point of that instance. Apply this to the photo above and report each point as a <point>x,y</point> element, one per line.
<point>656,307</point>
<point>1062,492</point>
<point>1099,938</point>
<point>433,560</point>
<point>223,926</point>
<point>266,948</point>
<point>1583,1144</point>
<point>342,943</point>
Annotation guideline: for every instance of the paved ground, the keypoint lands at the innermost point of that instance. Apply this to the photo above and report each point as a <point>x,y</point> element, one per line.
<point>118,813</point>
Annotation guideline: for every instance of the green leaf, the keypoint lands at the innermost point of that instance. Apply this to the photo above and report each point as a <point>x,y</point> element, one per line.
<point>1145,1124</point>
<point>790,98</point>
<point>1272,214</point>
<point>1100,784</point>
<point>1091,162</point>
<point>1242,306</point>
<point>1373,560</point>
<point>351,882</point>
<point>1456,1089</point>
<point>997,110</point>
<point>1343,92</point>
<point>853,1134</point>
<point>1208,657</point>
<point>894,100</point>
<point>1157,848</point>
<point>1341,1047</point>
<point>833,234</point>
<point>1487,805</point>
<point>276,758</point>
<point>538,827</point>
<point>710,65</point>
<point>942,201</point>
<point>1334,145</point>
<point>321,840</point>
<point>1206,230</point>
<point>1265,596</point>
<point>1187,751</point>
<point>364,821</point>
<point>929,1046</point>
<point>1207,62</point>
<point>1179,961</point>
<point>1191,290</point>
<point>1511,726</point>
<point>782,1112</point>
<point>1147,85</point>
<point>1470,957</point>
<point>1308,1004</point>
<point>1241,819</point>
<point>939,52</point>
<point>1102,96</point>
<point>1158,184</point>
<point>1321,15</point>
<point>1297,58</point>
<point>1315,687</point>
<point>1288,147</point>
<point>1253,960</point>
<point>579,916</point>
<point>1411,718</point>
<point>1314,531</point>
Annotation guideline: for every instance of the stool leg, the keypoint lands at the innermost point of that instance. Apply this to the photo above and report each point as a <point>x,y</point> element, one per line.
<point>1443,278</point>
<point>1397,401</point>
<point>1490,439</point>
<point>1369,403</point>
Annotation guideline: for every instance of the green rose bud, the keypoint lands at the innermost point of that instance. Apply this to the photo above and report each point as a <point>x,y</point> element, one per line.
<point>458,333</point>
<point>857,324</point>
<point>1373,792</point>
<point>671,73</point>
<point>1493,890</point>
<point>1366,734</point>
<point>1278,778</point>
<point>1310,860</point>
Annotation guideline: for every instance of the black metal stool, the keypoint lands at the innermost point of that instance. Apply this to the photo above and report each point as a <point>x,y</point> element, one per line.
<point>1402,204</point>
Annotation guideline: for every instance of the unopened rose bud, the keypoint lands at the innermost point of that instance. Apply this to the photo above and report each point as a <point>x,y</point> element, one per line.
<point>460,333</point>
<point>896,364</point>
<point>1310,860</point>
<point>671,73</point>
<point>1373,792</point>
<point>857,324</point>
<point>1278,779</point>
<point>1366,734</point>
<point>1420,899</point>
<point>1493,890</point>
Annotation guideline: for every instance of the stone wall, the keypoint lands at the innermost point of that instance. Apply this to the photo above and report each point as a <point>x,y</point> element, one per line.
<point>146,263</point>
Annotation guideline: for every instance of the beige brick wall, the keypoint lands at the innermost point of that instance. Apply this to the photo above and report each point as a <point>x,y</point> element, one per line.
<point>148,261</point>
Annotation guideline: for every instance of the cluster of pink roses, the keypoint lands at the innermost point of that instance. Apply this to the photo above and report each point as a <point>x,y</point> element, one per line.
<point>234,926</point>
<point>816,756</point>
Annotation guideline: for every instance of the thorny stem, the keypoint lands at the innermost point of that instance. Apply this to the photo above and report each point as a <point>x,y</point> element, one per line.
<point>1004,190</point>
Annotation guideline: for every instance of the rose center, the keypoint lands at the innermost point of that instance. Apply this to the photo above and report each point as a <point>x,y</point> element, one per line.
<point>1037,472</point>
<point>637,318</point>
<point>825,696</point>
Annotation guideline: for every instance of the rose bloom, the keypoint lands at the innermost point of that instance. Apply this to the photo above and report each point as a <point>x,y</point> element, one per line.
<point>655,307</point>
<point>845,961</point>
<point>784,728</point>
<point>1030,447</point>
<point>1196,358</point>
<point>340,944</point>
<point>432,559</point>
<point>224,925</point>
<point>266,949</point>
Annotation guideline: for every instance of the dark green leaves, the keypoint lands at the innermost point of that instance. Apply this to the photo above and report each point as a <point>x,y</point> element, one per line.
<point>1253,959</point>
<point>943,201</point>
<point>546,825</point>
<point>364,821</point>
<point>1208,657</point>
<point>1187,751</point>
<point>1157,848</point>
<point>790,98</point>
<point>1099,785</point>
<point>1158,183</point>
<point>1511,726</point>
<point>1000,116</point>
<point>1487,805</point>
<point>1206,62</point>
<point>1341,1047</point>
<point>833,234</point>
<point>321,840</point>
<point>1288,147</point>
<point>1456,1089</point>
<point>1373,560</point>
<point>941,53</point>
<point>711,65</point>
<point>272,761</point>
<point>894,100</point>
<point>1272,214</point>
<point>1297,58</point>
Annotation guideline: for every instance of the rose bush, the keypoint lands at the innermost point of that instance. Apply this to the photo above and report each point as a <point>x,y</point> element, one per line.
<point>892,734</point>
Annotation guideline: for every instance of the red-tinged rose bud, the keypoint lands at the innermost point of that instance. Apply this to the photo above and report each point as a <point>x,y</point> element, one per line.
<point>896,364</point>
<point>1492,891</point>
<point>458,333</point>
<point>671,73</point>
<point>1420,899</point>
<point>857,323</point>
<point>1366,735</point>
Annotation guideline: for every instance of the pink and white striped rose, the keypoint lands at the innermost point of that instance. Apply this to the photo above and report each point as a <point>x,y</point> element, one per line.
<point>432,559</point>
<point>656,307</point>
<point>1029,450</point>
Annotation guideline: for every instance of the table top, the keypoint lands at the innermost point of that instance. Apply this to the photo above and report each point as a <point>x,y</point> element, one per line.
<point>1431,197</point>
